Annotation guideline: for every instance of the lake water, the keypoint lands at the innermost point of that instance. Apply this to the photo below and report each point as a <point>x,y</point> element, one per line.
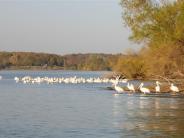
<point>83,110</point>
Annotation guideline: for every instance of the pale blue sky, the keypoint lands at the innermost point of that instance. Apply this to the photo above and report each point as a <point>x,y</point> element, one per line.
<point>63,26</point>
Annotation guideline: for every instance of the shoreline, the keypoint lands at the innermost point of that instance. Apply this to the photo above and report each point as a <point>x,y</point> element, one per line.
<point>33,68</point>
<point>40,68</point>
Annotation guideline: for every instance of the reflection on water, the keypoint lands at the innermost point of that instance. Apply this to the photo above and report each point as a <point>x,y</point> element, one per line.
<point>149,117</point>
<point>83,111</point>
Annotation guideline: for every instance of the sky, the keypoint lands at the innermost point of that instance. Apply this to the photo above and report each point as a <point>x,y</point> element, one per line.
<point>63,26</point>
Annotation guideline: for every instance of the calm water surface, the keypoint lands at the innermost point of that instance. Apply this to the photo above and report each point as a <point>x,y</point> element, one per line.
<point>83,110</point>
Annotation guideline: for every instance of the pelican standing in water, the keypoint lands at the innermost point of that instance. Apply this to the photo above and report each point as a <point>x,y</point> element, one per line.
<point>174,88</point>
<point>157,88</point>
<point>131,87</point>
<point>143,89</point>
<point>116,87</point>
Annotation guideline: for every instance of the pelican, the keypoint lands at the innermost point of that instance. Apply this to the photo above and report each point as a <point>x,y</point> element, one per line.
<point>143,89</point>
<point>124,81</point>
<point>117,88</point>
<point>157,88</point>
<point>16,79</point>
<point>174,88</point>
<point>131,87</point>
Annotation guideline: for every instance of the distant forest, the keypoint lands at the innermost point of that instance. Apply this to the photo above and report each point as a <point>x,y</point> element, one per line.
<point>29,60</point>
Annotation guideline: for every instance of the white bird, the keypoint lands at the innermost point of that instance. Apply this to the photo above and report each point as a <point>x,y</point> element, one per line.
<point>16,79</point>
<point>157,88</point>
<point>174,88</point>
<point>131,87</point>
<point>124,81</point>
<point>116,87</point>
<point>1,77</point>
<point>143,89</point>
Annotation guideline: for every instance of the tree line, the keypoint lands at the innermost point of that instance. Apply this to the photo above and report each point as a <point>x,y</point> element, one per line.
<point>29,60</point>
<point>8,59</point>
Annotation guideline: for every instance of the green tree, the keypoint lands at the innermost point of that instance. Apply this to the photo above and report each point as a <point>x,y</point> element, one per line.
<point>159,26</point>
<point>154,23</point>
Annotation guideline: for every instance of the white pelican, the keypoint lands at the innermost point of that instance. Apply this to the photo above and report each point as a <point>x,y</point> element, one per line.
<point>117,88</point>
<point>124,81</point>
<point>157,88</point>
<point>143,89</point>
<point>16,79</point>
<point>131,87</point>
<point>174,88</point>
